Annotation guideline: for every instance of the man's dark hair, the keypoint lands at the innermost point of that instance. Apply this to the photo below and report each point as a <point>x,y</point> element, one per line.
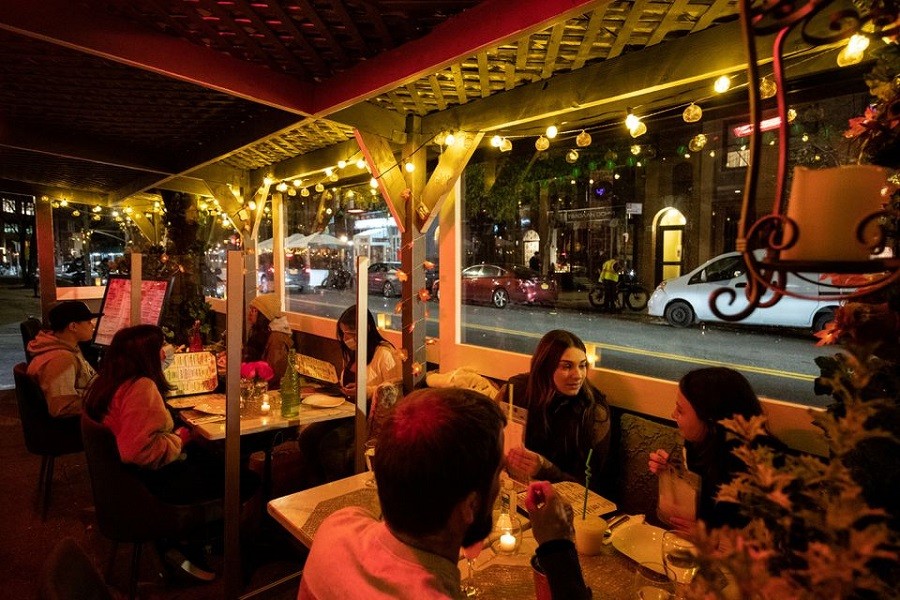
<point>436,447</point>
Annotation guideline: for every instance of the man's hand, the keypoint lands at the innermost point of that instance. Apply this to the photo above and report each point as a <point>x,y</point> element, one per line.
<point>522,462</point>
<point>551,517</point>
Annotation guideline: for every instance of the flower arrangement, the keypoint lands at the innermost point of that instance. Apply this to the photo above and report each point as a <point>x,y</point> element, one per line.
<point>257,371</point>
<point>878,130</point>
<point>822,527</point>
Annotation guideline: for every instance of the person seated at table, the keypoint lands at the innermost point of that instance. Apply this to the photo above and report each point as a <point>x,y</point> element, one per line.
<point>127,397</point>
<point>567,415</point>
<point>270,337</point>
<point>328,445</point>
<point>705,397</point>
<point>58,366</point>
<point>437,468</point>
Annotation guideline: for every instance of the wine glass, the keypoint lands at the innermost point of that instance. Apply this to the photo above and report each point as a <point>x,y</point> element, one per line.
<point>680,560</point>
<point>369,450</point>
<point>469,585</point>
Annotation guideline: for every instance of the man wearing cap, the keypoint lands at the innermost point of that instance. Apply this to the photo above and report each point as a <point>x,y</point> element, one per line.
<point>57,364</point>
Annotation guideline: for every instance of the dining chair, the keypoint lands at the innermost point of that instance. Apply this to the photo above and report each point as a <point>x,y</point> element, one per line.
<point>69,574</point>
<point>46,436</point>
<point>126,509</point>
<point>29,328</point>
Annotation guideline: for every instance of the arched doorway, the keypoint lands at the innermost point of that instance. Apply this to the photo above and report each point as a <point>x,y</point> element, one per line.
<point>668,228</point>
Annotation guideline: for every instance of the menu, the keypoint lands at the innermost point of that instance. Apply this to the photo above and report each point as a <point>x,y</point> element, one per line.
<point>192,373</point>
<point>116,306</point>
<point>316,368</point>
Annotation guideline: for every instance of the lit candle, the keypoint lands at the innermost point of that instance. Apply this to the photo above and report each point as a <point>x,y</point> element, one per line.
<point>507,542</point>
<point>264,407</point>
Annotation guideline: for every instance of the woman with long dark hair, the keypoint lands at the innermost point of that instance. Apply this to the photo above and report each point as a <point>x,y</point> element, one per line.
<point>270,337</point>
<point>384,363</point>
<point>704,398</point>
<point>568,417</point>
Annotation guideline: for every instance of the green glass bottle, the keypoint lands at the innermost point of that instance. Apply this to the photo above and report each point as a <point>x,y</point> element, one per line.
<point>290,388</point>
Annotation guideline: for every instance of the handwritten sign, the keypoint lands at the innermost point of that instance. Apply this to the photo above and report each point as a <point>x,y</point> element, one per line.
<point>116,306</point>
<point>192,373</point>
<point>316,368</point>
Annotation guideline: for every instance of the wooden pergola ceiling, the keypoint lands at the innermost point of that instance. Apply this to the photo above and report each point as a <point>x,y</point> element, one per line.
<point>113,97</point>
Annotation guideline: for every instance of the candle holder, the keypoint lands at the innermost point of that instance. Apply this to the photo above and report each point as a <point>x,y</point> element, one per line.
<point>507,535</point>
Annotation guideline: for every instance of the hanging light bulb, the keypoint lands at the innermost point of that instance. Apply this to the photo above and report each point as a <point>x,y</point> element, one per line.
<point>297,183</point>
<point>342,164</point>
<point>697,142</point>
<point>639,130</point>
<point>440,138</point>
<point>767,87</point>
<point>328,171</point>
<point>571,156</point>
<point>304,192</point>
<point>583,139</point>
<point>722,84</point>
<point>360,164</point>
<point>631,121</point>
<point>96,217</point>
<point>552,132</point>
<point>692,113</point>
<point>267,180</point>
<point>76,213</point>
<point>97,209</point>
<point>450,139</point>
<point>292,192</point>
<point>505,145</point>
<point>64,203</point>
<point>542,144</point>
<point>373,183</point>
<point>635,149</point>
<point>853,52</point>
<point>252,205</point>
<point>281,187</point>
<point>409,167</point>
<point>791,115</point>
<point>320,187</point>
<point>496,141</point>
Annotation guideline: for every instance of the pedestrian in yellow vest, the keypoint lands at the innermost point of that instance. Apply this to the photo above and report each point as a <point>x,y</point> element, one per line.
<point>609,277</point>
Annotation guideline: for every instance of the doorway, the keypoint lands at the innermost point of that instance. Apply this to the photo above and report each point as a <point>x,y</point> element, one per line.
<point>669,240</point>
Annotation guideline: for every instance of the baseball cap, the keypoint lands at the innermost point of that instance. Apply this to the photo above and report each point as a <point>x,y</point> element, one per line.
<point>69,311</point>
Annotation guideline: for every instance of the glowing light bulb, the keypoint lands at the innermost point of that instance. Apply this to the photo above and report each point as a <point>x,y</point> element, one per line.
<point>583,139</point>
<point>639,130</point>
<point>571,156</point>
<point>267,180</point>
<point>692,113</point>
<point>409,167</point>
<point>636,149</point>
<point>252,205</point>
<point>360,164</point>
<point>552,132</point>
<point>767,87</point>
<point>76,213</point>
<point>297,183</point>
<point>505,145</point>
<point>450,139</point>
<point>631,121</point>
<point>281,187</point>
<point>342,164</point>
<point>496,141</point>
<point>853,52</point>
<point>541,144</point>
<point>373,183</point>
<point>697,142</point>
<point>320,187</point>
<point>722,84</point>
<point>791,115</point>
<point>328,171</point>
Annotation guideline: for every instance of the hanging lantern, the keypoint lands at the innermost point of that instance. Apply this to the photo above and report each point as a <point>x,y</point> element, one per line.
<point>767,88</point>
<point>542,144</point>
<point>571,156</point>
<point>697,142</point>
<point>692,113</point>
<point>304,192</point>
<point>505,145</point>
<point>635,149</point>
<point>639,130</point>
<point>583,139</point>
<point>320,187</point>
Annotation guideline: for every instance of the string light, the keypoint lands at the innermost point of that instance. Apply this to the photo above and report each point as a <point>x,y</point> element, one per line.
<point>572,156</point>
<point>552,132</point>
<point>342,164</point>
<point>583,139</point>
<point>496,141</point>
<point>409,166</point>
<point>360,164</point>
<point>281,187</point>
<point>722,84</point>
<point>631,121</point>
<point>767,87</point>
<point>692,113</point>
<point>320,187</point>
<point>449,139</point>
<point>298,183</point>
<point>541,144</point>
<point>853,52</point>
<point>505,145</point>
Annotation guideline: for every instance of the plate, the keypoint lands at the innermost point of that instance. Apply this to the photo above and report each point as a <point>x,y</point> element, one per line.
<point>323,401</point>
<point>640,542</point>
<point>212,407</point>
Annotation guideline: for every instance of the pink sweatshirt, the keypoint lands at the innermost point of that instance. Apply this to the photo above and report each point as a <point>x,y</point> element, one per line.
<point>142,425</point>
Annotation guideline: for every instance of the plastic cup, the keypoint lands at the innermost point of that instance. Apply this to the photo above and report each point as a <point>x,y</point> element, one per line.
<point>589,535</point>
<point>541,584</point>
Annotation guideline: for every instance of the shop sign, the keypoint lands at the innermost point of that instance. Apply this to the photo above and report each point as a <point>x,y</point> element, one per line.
<point>600,213</point>
<point>634,208</point>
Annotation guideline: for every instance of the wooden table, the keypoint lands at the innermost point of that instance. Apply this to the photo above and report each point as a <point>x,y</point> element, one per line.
<point>215,429</point>
<point>610,575</point>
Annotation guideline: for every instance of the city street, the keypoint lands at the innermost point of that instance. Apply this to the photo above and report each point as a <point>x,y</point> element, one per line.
<point>777,361</point>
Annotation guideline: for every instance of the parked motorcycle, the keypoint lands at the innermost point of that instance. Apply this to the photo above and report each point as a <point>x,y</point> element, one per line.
<point>629,293</point>
<point>338,278</point>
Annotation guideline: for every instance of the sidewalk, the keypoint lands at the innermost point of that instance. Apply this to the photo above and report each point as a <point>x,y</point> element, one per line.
<point>16,303</point>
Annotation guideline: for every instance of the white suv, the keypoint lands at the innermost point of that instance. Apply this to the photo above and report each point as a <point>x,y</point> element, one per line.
<point>684,300</point>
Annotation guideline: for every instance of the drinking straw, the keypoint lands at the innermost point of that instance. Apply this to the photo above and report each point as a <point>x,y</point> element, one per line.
<point>587,480</point>
<point>509,417</point>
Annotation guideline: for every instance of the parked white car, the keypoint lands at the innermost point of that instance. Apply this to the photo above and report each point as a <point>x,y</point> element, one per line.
<point>684,300</point>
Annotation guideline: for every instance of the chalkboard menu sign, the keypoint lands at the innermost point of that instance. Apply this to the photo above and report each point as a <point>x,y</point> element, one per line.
<point>116,306</point>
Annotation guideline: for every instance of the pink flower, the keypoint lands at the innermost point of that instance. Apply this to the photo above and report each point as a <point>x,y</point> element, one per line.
<point>257,370</point>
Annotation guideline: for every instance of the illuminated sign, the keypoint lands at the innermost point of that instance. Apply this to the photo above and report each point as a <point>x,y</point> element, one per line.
<point>764,125</point>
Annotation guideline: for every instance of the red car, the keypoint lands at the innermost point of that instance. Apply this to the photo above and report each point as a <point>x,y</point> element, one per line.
<point>499,286</point>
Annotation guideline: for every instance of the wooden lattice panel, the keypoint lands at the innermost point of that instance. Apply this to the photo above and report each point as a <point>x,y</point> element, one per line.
<point>306,137</point>
<point>311,39</point>
<point>615,29</point>
<point>58,172</point>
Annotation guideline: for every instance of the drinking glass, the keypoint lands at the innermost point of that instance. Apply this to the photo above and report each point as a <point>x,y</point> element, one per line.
<point>651,583</point>
<point>369,449</point>
<point>680,560</point>
<point>469,585</point>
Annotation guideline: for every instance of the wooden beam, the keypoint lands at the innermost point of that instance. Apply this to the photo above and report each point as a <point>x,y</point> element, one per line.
<point>486,25</point>
<point>449,168</point>
<point>388,172</point>
<point>74,25</point>
<point>228,202</point>
<point>144,226</point>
